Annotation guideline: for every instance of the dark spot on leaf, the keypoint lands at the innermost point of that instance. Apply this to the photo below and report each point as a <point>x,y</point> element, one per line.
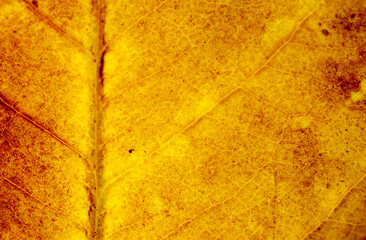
<point>101,67</point>
<point>131,150</point>
<point>349,84</point>
<point>325,32</point>
<point>306,183</point>
<point>362,54</point>
<point>348,27</point>
<point>353,15</point>
<point>35,3</point>
<point>342,78</point>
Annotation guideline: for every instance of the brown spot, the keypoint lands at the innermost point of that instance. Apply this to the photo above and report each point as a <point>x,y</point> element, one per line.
<point>325,32</point>
<point>35,3</point>
<point>362,53</point>
<point>341,79</point>
<point>349,84</point>
<point>350,22</point>
<point>101,67</point>
<point>307,183</point>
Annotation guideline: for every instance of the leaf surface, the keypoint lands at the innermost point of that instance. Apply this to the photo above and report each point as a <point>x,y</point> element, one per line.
<point>182,119</point>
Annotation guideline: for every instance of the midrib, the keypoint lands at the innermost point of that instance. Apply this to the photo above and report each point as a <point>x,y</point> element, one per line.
<point>96,219</point>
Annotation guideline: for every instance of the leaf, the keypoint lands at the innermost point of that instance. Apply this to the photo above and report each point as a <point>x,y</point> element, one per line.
<point>182,119</point>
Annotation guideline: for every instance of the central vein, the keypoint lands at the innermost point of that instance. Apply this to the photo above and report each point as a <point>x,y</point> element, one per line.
<point>99,46</point>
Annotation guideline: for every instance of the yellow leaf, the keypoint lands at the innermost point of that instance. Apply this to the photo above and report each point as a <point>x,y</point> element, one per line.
<point>182,119</point>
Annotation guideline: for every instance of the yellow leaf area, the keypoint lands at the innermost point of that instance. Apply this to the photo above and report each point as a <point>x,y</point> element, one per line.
<point>182,119</point>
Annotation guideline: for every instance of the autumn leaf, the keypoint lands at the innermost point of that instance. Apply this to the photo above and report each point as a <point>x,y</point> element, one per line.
<point>182,119</point>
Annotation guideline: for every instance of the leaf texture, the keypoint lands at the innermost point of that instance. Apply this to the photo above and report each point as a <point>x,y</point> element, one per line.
<point>172,119</point>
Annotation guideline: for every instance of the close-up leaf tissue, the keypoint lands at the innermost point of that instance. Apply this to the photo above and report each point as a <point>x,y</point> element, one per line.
<point>182,120</point>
